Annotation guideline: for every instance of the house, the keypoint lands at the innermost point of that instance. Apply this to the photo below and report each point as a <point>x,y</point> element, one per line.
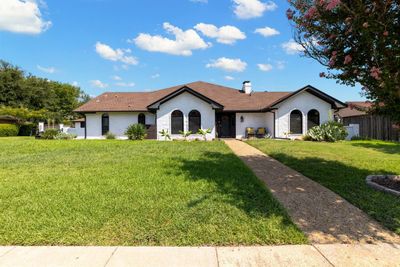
<point>8,119</point>
<point>368,125</point>
<point>226,111</point>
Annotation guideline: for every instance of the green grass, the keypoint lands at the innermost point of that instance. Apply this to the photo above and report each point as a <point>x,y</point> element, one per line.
<point>134,193</point>
<point>343,167</point>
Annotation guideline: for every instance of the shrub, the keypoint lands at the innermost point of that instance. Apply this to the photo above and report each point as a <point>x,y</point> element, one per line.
<point>185,134</point>
<point>164,133</point>
<point>64,136</point>
<point>204,132</point>
<point>110,135</point>
<point>361,138</point>
<point>26,129</point>
<point>330,132</point>
<point>8,130</point>
<point>50,133</point>
<point>136,131</point>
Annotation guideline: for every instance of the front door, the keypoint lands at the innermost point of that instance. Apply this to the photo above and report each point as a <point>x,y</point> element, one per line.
<point>226,125</point>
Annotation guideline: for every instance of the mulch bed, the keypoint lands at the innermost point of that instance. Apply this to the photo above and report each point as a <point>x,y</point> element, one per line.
<point>392,182</point>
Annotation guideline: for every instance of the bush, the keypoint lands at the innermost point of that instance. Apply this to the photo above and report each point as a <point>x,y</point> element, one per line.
<point>136,132</point>
<point>64,136</point>
<point>110,135</point>
<point>360,138</point>
<point>8,130</point>
<point>50,133</point>
<point>329,132</point>
<point>26,129</point>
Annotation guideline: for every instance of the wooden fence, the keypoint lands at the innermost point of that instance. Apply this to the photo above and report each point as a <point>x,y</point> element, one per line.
<point>375,127</point>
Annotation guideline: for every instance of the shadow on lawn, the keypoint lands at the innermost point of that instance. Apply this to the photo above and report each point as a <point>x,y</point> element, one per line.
<point>388,147</point>
<point>235,185</point>
<point>349,182</point>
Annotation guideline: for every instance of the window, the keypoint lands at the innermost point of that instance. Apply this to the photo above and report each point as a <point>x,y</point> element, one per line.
<point>194,121</point>
<point>142,119</point>
<point>312,118</point>
<point>296,122</point>
<point>176,122</point>
<point>105,124</point>
<point>83,124</point>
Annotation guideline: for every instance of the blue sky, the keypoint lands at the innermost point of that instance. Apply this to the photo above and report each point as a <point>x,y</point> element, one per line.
<point>125,45</point>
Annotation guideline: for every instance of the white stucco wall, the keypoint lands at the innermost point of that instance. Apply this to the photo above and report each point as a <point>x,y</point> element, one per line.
<point>303,102</point>
<point>255,120</point>
<point>80,132</point>
<point>186,102</point>
<point>119,121</point>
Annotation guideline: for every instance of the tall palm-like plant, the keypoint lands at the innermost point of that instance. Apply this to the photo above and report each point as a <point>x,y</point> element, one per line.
<point>204,132</point>
<point>164,133</point>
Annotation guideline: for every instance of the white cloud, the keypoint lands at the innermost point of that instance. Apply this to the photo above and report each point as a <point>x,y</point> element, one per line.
<point>225,35</point>
<point>116,78</point>
<point>264,67</point>
<point>267,31</point>
<point>22,16</point>
<point>75,83</point>
<point>98,84</point>
<point>247,9</point>
<point>46,69</point>
<point>228,64</point>
<point>291,47</point>
<point>229,78</point>
<point>155,76</point>
<point>182,45</point>
<point>123,84</point>
<point>121,55</point>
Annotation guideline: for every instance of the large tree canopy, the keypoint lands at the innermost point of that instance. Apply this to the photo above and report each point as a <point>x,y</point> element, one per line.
<point>18,90</point>
<point>358,41</point>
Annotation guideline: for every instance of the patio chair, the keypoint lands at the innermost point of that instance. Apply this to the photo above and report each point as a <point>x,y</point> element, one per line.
<point>261,132</point>
<point>250,132</point>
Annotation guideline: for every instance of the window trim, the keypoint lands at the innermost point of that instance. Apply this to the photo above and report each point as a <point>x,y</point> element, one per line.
<point>301,121</point>
<point>182,121</point>
<point>144,115</point>
<point>308,118</point>
<point>105,116</point>
<point>191,116</point>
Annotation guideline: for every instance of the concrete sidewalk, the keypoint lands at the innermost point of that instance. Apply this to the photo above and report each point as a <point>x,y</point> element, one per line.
<point>298,255</point>
<point>324,216</point>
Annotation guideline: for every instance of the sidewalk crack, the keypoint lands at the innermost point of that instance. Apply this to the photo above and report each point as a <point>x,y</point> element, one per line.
<point>112,254</point>
<point>8,251</point>
<point>216,254</point>
<point>323,255</point>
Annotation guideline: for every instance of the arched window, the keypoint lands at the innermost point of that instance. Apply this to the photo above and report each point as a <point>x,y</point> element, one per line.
<point>296,122</point>
<point>312,118</point>
<point>176,122</point>
<point>194,121</point>
<point>105,124</point>
<point>142,119</point>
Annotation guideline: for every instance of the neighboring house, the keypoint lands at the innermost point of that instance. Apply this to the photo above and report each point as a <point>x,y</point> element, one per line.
<point>226,111</point>
<point>7,119</point>
<point>357,116</point>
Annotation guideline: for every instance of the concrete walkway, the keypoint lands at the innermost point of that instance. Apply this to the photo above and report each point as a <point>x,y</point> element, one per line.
<point>301,255</point>
<point>324,216</point>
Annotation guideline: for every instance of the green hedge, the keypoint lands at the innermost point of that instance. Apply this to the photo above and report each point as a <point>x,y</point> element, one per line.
<point>8,130</point>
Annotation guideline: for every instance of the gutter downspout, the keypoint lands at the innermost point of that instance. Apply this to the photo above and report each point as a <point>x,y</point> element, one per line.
<point>85,126</point>
<point>273,135</point>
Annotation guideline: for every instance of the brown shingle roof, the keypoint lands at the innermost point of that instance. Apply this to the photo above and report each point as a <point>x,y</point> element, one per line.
<point>355,108</point>
<point>231,99</point>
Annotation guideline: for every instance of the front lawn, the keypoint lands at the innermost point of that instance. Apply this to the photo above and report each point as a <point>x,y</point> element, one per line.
<point>343,167</point>
<point>134,193</point>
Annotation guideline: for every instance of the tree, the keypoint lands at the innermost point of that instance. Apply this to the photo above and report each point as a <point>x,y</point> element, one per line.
<point>358,41</point>
<point>18,90</point>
